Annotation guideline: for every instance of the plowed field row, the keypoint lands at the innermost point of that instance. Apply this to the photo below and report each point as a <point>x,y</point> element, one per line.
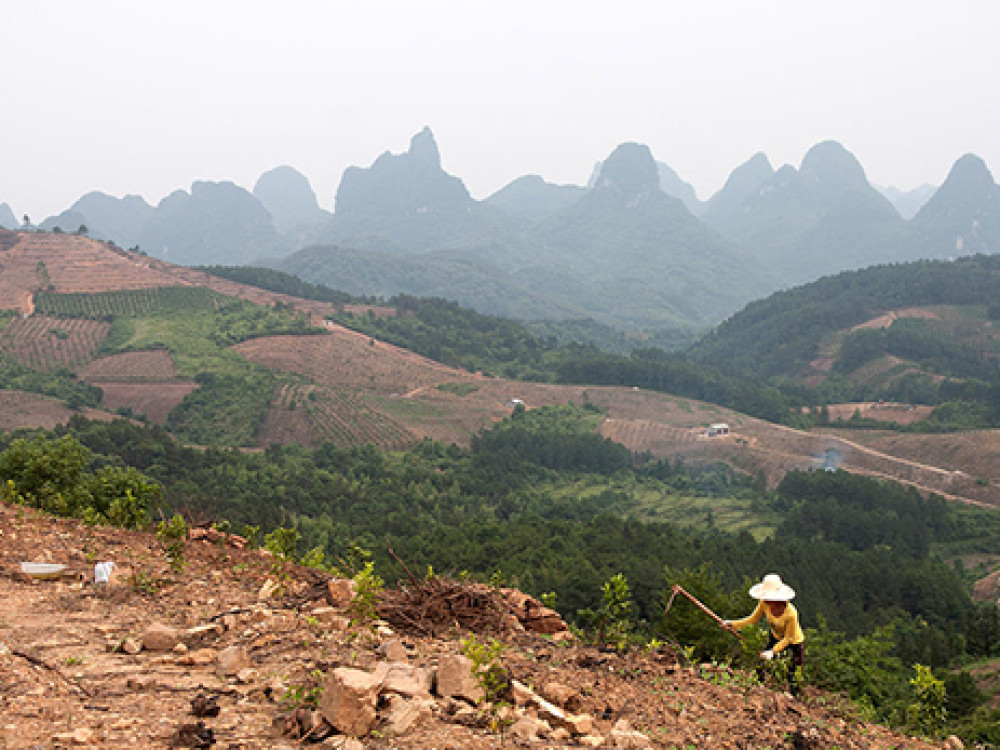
<point>344,419</point>
<point>45,343</point>
<point>152,365</point>
<point>642,435</point>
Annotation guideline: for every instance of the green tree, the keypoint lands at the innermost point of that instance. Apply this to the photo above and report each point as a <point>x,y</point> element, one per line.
<point>48,473</point>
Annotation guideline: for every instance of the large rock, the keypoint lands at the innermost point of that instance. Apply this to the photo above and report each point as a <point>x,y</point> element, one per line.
<point>404,679</point>
<point>532,614</point>
<point>404,715</point>
<point>349,700</point>
<point>456,680</point>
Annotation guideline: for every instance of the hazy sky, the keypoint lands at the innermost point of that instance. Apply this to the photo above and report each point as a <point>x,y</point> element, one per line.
<point>141,98</point>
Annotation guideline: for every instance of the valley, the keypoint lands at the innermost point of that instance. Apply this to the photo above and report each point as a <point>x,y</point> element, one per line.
<point>354,388</point>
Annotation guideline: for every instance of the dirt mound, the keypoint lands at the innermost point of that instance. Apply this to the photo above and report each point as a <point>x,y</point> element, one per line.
<point>232,648</point>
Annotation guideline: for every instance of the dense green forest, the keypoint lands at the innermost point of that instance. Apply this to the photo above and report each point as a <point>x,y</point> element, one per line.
<point>283,283</point>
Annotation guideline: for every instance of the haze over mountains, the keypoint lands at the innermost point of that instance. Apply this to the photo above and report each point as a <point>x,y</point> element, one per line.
<point>634,249</point>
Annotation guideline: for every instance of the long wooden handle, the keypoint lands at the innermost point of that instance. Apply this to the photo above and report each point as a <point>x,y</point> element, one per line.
<point>677,589</point>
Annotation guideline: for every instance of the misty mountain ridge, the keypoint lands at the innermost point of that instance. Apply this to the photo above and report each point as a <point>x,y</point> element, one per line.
<point>7,218</point>
<point>819,219</point>
<point>963,215</point>
<point>289,198</point>
<point>636,249</point>
<point>908,202</point>
<point>623,252</point>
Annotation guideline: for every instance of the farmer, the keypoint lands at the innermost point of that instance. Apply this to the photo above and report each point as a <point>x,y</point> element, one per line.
<point>785,636</point>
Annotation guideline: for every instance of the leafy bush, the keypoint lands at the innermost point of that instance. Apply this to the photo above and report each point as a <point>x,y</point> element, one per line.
<point>173,535</point>
<point>612,621</point>
<point>55,476</point>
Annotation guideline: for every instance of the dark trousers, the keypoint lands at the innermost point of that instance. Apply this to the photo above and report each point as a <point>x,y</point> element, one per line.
<point>798,656</point>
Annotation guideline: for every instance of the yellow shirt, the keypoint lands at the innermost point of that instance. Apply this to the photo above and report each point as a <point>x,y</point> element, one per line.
<point>785,628</point>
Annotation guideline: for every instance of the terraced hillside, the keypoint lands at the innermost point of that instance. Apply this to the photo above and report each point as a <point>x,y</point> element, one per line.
<point>349,387</point>
<point>434,401</point>
<point>32,262</point>
<point>44,343</point>
<point>145,382</point>
<point>309,414</point>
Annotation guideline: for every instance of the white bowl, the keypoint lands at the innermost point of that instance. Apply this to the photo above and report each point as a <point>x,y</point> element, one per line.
<point>44,571</point>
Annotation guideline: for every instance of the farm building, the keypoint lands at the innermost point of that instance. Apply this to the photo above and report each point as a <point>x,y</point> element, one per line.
<point>715,430</point>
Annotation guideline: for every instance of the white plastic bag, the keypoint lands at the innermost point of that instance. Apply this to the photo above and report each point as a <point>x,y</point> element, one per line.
<point>102,572</point>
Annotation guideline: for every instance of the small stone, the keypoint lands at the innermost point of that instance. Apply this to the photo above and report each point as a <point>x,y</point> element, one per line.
<point>180,649</point>
<point>562,695</point>
<point>340,591</point>
<point>160,637</point>
<point>276,688</point>
<point>394,650</point>
<point>269,590</point>
<point>202,633</point>
<point>202,657</point>
<point>80,736</point>
<point>628,738</point>
<point>530,729</point>
<point>580,723</point>
<point>131,646</point>
<point>231,660</point>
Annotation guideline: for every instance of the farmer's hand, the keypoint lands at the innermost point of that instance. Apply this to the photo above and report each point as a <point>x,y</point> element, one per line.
<point>767,655</point>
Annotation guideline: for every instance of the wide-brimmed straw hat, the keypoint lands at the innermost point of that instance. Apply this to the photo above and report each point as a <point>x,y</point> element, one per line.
<point>772,589</point>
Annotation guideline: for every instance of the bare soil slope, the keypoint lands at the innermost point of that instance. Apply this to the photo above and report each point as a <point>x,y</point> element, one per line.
<point>79,665</point>
<point>35,261</point>
<point>19,409</point>
<point>146,382</point>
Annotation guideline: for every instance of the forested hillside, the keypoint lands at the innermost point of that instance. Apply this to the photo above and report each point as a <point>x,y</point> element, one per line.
<point>917,332</point>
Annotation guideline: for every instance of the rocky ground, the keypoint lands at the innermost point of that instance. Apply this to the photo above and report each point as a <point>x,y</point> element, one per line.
<point>238,650</point>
